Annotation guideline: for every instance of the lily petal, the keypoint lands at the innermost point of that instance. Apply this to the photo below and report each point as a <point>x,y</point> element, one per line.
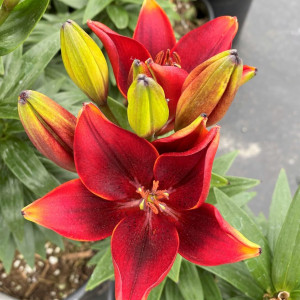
<point>206,41</point>
<point>207,239</point>
<point>147,256</point>
<point>154,29</point>
<point>122,51</point>
<point>74,212</point>
<point>189,187</point>
<point>248,73</point>
<point>171,80</point>
<point>184,139</point>
<point>111,161</point>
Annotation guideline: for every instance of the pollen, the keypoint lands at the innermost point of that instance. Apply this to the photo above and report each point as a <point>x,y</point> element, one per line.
<point>152,200</point>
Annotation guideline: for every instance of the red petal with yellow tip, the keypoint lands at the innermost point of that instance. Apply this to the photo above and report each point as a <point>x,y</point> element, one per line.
<point>111,162</point>
<point>154,29</point>
<point>206,41</point>
<point>122,51</point>
<point>146,256</point>
<point>74,212</point>
<point>248,73</point>
<point>207,239</point>
<point>184,139</point>
<point>186,175</point>
<point>171,80</point>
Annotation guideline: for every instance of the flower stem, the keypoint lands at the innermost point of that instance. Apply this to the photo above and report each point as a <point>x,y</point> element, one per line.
<point>108,113</point>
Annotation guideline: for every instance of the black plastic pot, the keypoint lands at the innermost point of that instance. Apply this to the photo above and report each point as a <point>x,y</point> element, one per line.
<point>238,8</point>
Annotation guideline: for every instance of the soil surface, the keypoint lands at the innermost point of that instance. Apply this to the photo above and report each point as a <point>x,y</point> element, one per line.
<point>53,279</point>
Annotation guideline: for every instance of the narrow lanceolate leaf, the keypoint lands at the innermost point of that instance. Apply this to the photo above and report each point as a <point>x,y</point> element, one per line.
<point>223,163</point>
<point>118,15</point>
<point>210,289</point>
<point>175,271</point>
<point>9,254</point>
<point>11,203</point>
<point>243,198</point>
<point>27,246</point>
<point>281,201</point>
<point>171,291</point>
<point>31,64</point>
<point>156,293</point>
<point>189,283</point>
<point>16,27</point>
<point>259,267</point>
<point>286,267</point>
<point>93,8</point>
<point>25,165</point>
<point>217,180</point>
<point>237,275</point>
<point>238,185</point>
<point>103,271</point>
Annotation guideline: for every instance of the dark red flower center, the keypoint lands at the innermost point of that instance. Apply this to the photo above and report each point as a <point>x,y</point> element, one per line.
<point>166,58</point>
<point>152,199</point>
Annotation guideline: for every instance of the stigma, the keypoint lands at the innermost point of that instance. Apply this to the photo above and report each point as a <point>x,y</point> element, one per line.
<point>153,199</point>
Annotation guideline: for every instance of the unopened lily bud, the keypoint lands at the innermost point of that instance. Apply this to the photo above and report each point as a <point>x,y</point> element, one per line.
<point>147,106</point>
<point>49,126</point>
<point>84,62</point>
<point>210,88</point>
<point>248,73</point>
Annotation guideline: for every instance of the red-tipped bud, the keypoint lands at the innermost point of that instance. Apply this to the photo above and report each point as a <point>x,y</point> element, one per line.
<point>49,127</point>
<point>210,88</point>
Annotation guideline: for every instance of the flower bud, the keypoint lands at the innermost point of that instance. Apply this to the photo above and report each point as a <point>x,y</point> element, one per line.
<point>210,88</point>
<point>248,73</point>
<point>84,62</point>
<point>147,107</point>
<point>49,127</point>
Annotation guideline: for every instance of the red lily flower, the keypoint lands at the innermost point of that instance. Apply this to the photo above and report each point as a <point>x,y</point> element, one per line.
<point>152,204</point>
<point>154,42</point>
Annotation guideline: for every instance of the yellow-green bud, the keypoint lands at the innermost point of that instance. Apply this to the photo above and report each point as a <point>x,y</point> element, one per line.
<point>147,106</point>
<point>84,62</point>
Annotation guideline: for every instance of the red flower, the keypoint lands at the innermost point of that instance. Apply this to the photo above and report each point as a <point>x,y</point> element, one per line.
<point>152,204</point>
<point>154,42</point>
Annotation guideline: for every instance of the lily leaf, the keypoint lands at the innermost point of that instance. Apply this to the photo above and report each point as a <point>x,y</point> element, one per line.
<point>156,293</point>
<point>209,285</point>
<point>174,272</point>
<point>25,165</point>
<point>286,267</point>
<point>20,23</point>
<point>103,271</point>
<point>259,267</point>
<point>171,291</point>
<point>218,180</point>
<point>93,8</point>
<point>281,201</point>
<point>223,163</point>
<point>118,15</point>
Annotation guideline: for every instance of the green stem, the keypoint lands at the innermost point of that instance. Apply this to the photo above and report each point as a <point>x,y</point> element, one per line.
<point>108,113</point>
<point>6,8</point>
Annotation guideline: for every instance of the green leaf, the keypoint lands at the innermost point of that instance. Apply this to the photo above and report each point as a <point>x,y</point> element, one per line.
<point>120,113</point>
<point>243,198</point>
<point>1,66</point>
<point>52,237</point>
<point>11,204</point>
<point>189,283</point>
<point>217,180</point>
<point>93,8</point>
<point>295,295</point>
<point>259,267</point>
<point>20,23</point>
<point>286,267</point>
<point>281,201</point>
<point>25,165</point>
<point>238,185</point>
<point>175,270</point>
<point>171,291</point>
<point>156,293</point>
<point>75,3</point>
<point>27,246</point>
<point>223,163</point>
<point>39,242</point>
<point>32,63</point>
<point>102,247</point>
<point>103,271</point>
<point>4,236</point>
<point>9,110</point>
<point>9,254</point>
<point>210,289</point>
<point>118,15</point>
<point>237,275</point>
